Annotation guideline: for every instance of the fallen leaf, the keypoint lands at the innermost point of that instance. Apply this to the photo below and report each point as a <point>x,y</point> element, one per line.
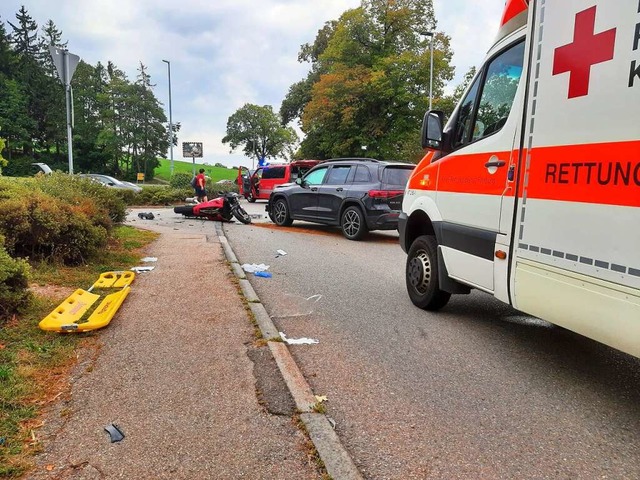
<point>321,398</point>
<point>49,468</point>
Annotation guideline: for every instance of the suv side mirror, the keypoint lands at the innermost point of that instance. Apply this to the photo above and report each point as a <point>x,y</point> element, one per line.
<point>300,181</point>
<point>432,129</point>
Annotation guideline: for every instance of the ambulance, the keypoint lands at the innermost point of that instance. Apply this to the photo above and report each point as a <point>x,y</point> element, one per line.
<point>531,190</point>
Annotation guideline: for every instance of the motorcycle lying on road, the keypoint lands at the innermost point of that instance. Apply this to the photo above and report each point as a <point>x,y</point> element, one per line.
<point>222,209</point>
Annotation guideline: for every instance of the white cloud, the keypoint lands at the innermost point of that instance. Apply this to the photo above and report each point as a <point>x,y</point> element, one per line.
<point>227,53</point>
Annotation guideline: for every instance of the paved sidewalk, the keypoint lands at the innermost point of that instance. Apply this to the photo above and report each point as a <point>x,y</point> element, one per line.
<point>176,372</point>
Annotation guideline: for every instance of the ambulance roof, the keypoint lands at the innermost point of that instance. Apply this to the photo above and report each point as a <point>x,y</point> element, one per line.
<point>514,17</point>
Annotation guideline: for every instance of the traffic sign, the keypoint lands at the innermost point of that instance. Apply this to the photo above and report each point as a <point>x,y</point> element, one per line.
<point>65,63</point>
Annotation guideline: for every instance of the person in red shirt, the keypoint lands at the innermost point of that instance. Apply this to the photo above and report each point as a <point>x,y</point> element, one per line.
<point>201,182</point>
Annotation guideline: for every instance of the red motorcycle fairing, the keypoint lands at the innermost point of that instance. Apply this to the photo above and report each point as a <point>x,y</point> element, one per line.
<point>222,208</point>
<point>216,209</point>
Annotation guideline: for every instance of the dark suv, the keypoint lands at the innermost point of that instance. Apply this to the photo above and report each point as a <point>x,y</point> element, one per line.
<point>357,194</point>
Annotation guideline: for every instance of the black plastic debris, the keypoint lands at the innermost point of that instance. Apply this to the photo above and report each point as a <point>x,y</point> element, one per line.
<point>115,432</point>
<point>146,216</point>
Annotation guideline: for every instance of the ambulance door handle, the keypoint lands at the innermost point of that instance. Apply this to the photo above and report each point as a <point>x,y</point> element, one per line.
<point>495,163</point>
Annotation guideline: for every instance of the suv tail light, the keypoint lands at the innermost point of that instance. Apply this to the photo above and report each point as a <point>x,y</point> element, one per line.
<point>385,193</point>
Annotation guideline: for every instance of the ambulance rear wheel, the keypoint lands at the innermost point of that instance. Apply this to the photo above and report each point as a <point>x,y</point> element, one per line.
<point>421,271</point>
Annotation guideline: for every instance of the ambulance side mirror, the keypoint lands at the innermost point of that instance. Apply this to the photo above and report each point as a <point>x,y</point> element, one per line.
<point>432,129</point>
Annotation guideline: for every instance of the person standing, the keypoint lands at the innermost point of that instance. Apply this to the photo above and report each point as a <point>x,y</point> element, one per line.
<point>201,183</point>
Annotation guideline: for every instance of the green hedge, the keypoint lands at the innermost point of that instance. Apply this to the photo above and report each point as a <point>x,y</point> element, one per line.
<point>181,180</point>
<point>161,195</point>
<point>14,283</point>
<point>57,217</point>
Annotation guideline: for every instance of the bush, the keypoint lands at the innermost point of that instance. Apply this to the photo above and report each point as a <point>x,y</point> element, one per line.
<point>62,218</point>
<point>108,205</point>
<point>162,195</point>
<point>214,188</point>
<point>181,180</point>
<point>14,283</point>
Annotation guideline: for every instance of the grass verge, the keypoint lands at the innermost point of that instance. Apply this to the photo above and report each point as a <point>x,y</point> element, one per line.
<point>34,365</point>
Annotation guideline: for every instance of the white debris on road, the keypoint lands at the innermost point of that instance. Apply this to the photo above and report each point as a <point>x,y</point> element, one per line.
<point>298,341</point>
<point>253,268</point>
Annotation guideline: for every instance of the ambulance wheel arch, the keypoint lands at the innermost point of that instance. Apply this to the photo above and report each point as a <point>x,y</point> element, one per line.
<point>421,212</point>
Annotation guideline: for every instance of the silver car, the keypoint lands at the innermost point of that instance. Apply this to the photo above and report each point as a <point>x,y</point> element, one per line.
<point>111,182</point>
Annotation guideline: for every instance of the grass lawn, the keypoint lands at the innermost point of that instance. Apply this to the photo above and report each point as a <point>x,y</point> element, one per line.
<point>34,365</point>
<point>216,173</point>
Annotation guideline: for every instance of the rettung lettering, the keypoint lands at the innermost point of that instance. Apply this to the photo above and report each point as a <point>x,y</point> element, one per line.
<point>594,173</point>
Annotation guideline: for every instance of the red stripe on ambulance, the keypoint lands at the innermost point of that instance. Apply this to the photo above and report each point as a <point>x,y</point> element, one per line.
<point>605,173</point>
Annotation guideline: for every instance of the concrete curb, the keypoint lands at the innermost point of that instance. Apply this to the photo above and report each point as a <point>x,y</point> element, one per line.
<point>335,457</point>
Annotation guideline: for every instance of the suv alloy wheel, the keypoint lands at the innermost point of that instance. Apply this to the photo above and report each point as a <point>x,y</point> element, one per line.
<point>281,213</point>
<point>353,223</point>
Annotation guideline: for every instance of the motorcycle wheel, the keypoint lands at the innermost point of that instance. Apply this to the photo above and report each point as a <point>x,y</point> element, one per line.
<point>241,214</point>
<point>185,210</point>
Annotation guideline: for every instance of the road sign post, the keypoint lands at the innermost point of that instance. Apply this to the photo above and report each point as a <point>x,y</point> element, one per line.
<point>66,64</point>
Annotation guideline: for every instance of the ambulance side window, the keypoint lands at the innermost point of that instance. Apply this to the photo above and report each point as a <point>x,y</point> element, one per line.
<point>465,116</point>
<point>499,90</point>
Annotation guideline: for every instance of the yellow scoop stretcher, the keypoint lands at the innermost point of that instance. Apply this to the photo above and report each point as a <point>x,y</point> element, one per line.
<point>67,316</point>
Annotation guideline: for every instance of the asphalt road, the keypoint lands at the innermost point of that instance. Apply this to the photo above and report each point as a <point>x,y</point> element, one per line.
<point>477,390</point>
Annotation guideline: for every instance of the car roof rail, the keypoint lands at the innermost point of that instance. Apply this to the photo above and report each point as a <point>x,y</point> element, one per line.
<point>351,159</point>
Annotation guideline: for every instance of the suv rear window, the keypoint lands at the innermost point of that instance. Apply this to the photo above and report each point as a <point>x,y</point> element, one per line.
<point>362,175</point>
<point>396,175</point>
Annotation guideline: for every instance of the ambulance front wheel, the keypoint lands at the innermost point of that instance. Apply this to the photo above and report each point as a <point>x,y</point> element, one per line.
<point>422,281</point>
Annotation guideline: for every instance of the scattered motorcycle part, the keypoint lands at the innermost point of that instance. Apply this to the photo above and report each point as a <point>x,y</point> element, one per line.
<point>115,432</point>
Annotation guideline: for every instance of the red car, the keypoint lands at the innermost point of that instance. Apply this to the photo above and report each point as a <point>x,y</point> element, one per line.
<point>258,184</point>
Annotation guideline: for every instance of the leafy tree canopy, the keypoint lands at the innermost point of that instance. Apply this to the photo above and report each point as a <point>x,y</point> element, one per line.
<point>368,86</point>
<point>259,132</point>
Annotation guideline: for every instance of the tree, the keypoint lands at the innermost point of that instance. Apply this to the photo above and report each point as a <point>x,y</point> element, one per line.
<point>15,122</point>
<point>149,137</point>
<point>51,96</point>
<point>90,85</point>
<point>25,34</point>
<point>7,57</point>
<point>260,133</point>
<point>3,161</point>
<point>369,82</point>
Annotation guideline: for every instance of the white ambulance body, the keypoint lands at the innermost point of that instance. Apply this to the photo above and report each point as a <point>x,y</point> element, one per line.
<point>531,192</point>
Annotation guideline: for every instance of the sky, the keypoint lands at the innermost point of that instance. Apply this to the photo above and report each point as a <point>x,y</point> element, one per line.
<point>226,53</point>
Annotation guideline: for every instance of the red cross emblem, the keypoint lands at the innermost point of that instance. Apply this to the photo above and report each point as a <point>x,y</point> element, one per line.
<point>587,49</point>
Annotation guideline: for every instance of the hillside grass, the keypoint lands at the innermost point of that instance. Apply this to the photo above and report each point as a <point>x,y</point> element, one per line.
<point>216,173</point>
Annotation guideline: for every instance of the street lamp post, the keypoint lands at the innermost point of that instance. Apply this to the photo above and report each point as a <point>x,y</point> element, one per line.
<point>170,118</point>
<point>431,35</point>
